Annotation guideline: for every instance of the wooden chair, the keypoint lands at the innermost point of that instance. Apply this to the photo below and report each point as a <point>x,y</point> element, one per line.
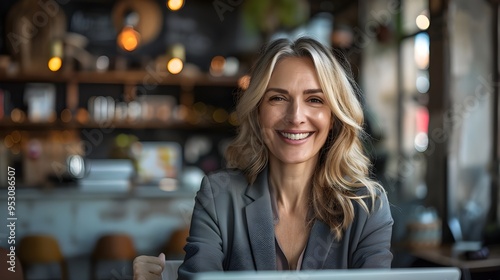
<point>112,247</point>
<point>41,249</point>
<point>174,249</point>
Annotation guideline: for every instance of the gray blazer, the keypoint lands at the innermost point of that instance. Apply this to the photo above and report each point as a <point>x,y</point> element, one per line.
<point>232,229</point>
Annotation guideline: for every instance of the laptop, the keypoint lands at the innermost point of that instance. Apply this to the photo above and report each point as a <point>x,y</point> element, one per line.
<point>447,273</point>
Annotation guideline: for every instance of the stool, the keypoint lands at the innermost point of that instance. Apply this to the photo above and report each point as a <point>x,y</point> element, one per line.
<point>5,264</point>
<point>41,249</point>
<point>112,247</point>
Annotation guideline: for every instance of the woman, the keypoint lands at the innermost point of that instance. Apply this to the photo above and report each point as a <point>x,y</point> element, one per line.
<point>298,195</point>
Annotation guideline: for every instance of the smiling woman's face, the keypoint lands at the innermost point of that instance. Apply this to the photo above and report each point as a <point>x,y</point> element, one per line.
<point>293,114</point>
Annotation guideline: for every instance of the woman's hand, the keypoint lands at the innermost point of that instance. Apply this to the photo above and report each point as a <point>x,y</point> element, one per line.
<point>149,267</point>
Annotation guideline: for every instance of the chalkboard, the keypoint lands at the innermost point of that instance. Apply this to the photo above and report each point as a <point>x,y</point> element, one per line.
<point>202,28</point>
<point>198,26</point>
<point>94,22</point>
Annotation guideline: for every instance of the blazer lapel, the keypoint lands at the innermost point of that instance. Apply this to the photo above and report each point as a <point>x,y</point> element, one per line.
<point>260,224</point>
<point>318,246</point>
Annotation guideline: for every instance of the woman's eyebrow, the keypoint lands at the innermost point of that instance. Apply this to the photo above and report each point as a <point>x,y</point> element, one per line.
<point>307,91</point>
<point>279,90</point>
<point>314,90</point>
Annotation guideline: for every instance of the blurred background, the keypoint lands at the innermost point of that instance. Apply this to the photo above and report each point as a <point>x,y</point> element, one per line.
<point>112,111</point>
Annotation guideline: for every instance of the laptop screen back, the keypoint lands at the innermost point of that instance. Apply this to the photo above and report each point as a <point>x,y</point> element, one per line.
<point>352,274</point>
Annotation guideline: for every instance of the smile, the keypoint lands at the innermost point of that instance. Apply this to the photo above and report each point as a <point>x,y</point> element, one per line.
<point>295,136</point>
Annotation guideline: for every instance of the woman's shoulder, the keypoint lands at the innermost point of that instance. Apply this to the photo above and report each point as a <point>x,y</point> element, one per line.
<point>226,174</point>
<point>226,179</point>
<point>372,197</point>
<point>365,191</point>
<point>223,188</point>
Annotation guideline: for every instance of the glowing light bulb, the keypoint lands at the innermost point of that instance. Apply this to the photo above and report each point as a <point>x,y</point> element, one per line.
<point>56,54</point>
<point>175,5</point>
<point>175,65</point>
<point>54,63</point>
<point>128,39</point>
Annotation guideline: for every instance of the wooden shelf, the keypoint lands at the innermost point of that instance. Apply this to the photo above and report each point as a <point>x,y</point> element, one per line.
<point>133,77</point>
<point>128,79</point>
<point>9,124</point>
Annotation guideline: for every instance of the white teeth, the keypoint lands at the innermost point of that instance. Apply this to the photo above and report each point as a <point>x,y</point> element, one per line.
<point>295,136</point>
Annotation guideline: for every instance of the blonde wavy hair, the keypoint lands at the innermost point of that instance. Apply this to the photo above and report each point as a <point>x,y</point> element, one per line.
<point>343,168</point>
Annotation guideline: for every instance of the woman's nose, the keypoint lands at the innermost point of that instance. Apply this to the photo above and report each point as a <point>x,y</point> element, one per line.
<point>295,113</point>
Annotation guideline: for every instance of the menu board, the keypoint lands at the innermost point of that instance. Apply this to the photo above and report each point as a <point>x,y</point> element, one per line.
<point>197,26</point>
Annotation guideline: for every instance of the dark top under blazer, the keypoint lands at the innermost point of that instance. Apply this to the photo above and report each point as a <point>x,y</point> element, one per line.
<point>232,229</point>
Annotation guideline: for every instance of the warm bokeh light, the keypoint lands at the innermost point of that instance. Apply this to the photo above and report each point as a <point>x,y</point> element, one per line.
<point>233,118</point>
<point>217,65</point>
<point>16,136</point>
<point>175,65</point>
<point>54,63</point>
<point>8,141</point>
<point>66,115</point>
<point>244,82</point>
<point>17,115</point>
<point>423,22</point>
<point>16,149</point>
<point>182,112</point>
<point>128,39</point>
<point>200,108</point>
<point>175,5</point>
<point>82,115</point>
<point>52,117</point>
<point>56,54</point>
<point>220,115</point>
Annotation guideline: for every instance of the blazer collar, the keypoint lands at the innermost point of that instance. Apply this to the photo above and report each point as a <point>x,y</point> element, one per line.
<point>261,231</point>
<point>318,246</point>
<point>260,187</point>
<point>260,223</point>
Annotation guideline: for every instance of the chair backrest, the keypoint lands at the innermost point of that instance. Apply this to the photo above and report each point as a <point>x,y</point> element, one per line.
<point>170,271</point>
<point>174,248</point>
<point>111,247</point>
<point>114,247</point>
<point>39,249</point>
